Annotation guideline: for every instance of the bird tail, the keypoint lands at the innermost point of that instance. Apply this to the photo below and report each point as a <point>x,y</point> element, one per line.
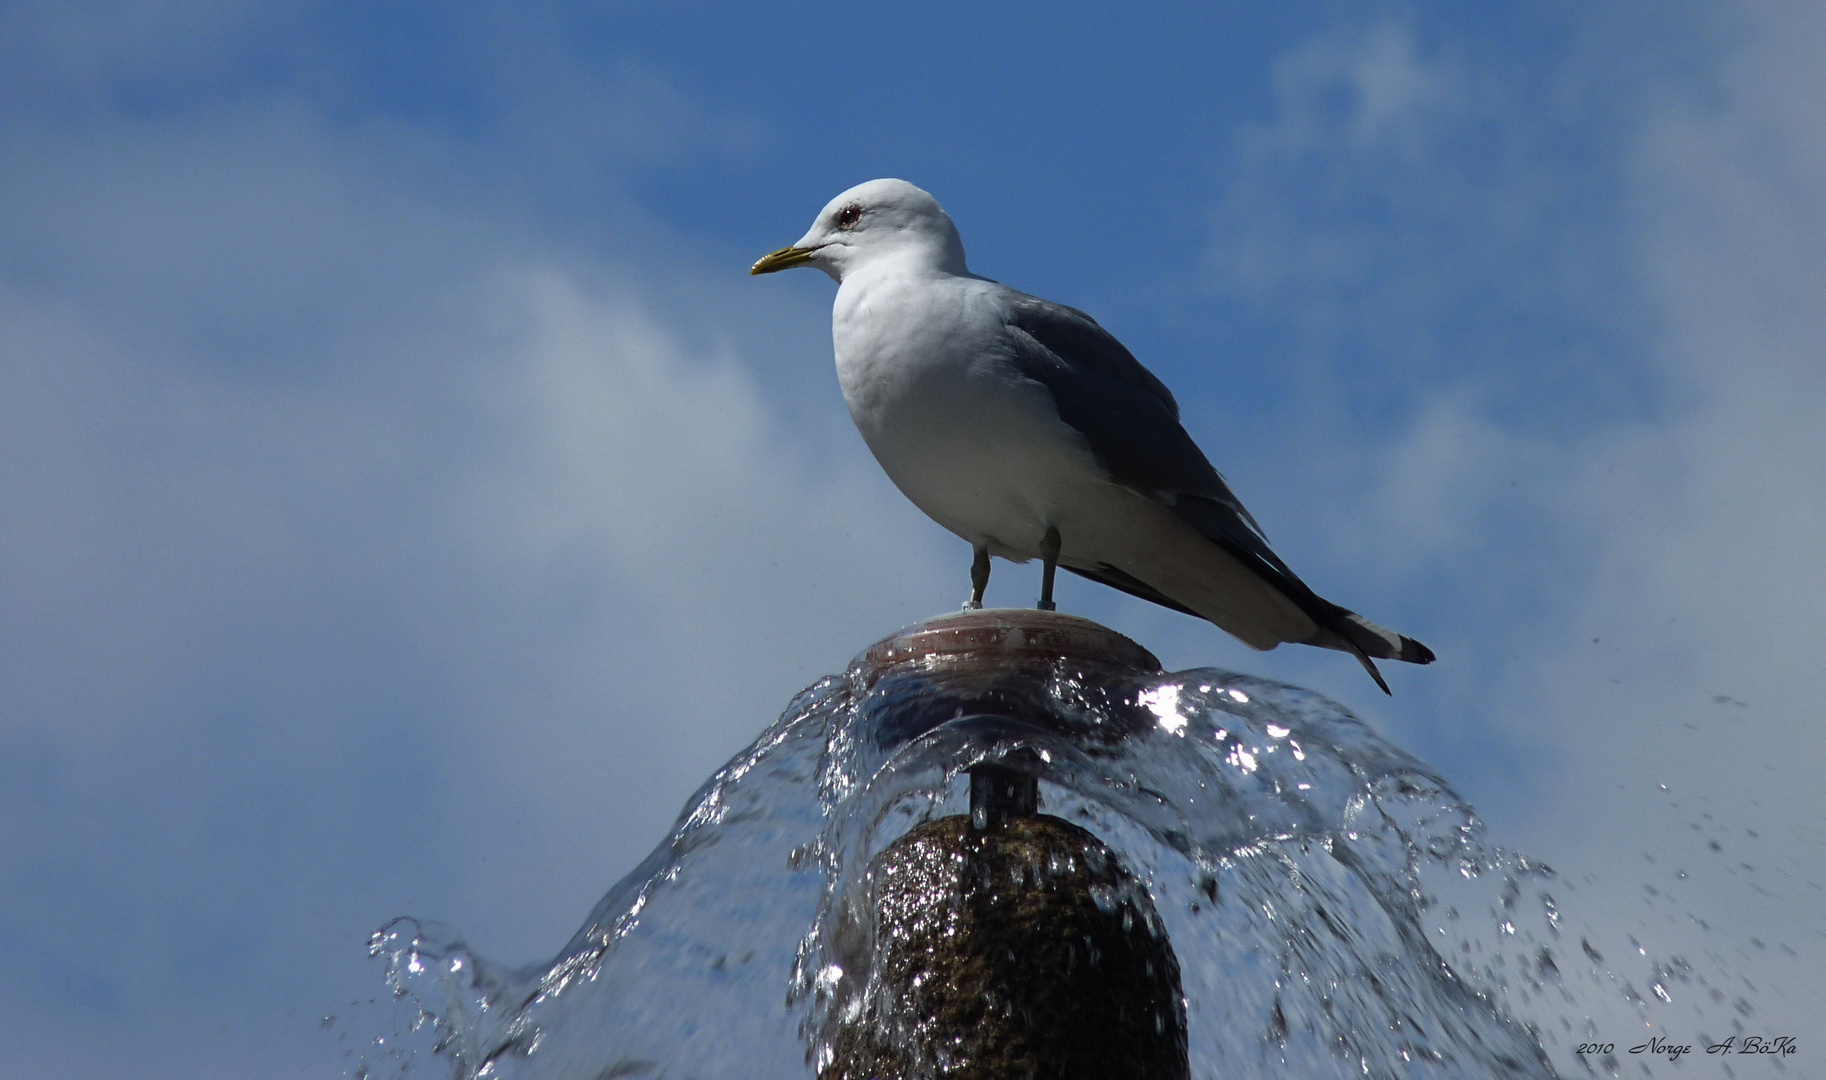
<point>1380,641</point>
<point>1352,633</point>
<point>1339,627</point>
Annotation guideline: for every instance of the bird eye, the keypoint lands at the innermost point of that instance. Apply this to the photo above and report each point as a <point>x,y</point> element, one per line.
<point>849,216</point>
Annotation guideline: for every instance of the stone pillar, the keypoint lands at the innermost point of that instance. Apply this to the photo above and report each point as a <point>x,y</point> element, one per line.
<point>1009,944</point>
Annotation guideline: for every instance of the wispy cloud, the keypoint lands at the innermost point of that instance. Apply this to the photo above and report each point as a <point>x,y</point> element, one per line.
<point>369,549</point>
<point>378,468</point>
<point>1643,607</point>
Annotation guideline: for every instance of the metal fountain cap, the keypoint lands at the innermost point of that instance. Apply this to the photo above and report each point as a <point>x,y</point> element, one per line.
<point>1004,637</point>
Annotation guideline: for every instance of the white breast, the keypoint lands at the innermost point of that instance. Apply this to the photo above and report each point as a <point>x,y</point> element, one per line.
<point>925,370</point>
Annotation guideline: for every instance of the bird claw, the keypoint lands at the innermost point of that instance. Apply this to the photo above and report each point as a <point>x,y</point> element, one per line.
<point>973,605</point>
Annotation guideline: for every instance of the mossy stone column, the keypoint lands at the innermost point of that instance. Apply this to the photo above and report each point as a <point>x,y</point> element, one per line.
<point>1010,944</point>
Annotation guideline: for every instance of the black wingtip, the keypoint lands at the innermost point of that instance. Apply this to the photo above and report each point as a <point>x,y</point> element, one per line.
<point>1415,653</point>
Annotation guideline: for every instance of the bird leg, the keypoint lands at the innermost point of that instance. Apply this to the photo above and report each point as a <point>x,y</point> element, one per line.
<point>1049,556</point>
<point>979,578</point>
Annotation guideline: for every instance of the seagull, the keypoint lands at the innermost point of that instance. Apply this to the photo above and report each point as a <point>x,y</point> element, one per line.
<point>1029,431</point>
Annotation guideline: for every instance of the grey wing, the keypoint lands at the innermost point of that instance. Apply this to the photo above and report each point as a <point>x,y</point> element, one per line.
<point>1131,423</point>
<point>1127,415</point>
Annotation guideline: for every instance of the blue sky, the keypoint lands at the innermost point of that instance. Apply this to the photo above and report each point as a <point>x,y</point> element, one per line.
<point>409,499</point>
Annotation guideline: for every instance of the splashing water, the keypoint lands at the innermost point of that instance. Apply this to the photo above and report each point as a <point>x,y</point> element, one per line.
<point>1333,904</point>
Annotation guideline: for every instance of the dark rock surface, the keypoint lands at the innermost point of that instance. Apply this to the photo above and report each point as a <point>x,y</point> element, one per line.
<point>1019,951</point>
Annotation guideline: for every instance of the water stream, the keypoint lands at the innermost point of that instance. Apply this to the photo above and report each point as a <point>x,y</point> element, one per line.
<point>1336,908</point>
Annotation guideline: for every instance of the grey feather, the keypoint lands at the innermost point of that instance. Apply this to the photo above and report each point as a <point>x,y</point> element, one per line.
<point>1131,424</point>
<point>1128,416</point>
<point>1341,627</point>
<point>1105,574</point>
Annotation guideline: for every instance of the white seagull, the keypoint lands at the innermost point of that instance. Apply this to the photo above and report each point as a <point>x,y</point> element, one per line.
<point>1028,430</point>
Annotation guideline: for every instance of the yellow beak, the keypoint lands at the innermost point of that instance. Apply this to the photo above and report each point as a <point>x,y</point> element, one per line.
<point>783,259</point>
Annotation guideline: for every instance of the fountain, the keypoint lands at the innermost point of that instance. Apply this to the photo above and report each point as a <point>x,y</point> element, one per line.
<point>1006,844</point>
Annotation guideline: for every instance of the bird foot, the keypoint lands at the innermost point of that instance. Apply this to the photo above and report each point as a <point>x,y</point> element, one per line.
<point>973,605</point>
<point>1047,605</point>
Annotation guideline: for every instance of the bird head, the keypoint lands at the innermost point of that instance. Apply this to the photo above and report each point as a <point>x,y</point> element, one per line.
<point>882,220</point>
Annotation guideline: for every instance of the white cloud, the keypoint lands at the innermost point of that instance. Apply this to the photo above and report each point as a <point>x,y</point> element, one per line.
<point>1372,96</point>
<point>365,543</point>
<point>1389,91</point>
<point>1646,604</point>
<point>368,551</point>
<point>1709,605</point>
<point>696,569</point>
